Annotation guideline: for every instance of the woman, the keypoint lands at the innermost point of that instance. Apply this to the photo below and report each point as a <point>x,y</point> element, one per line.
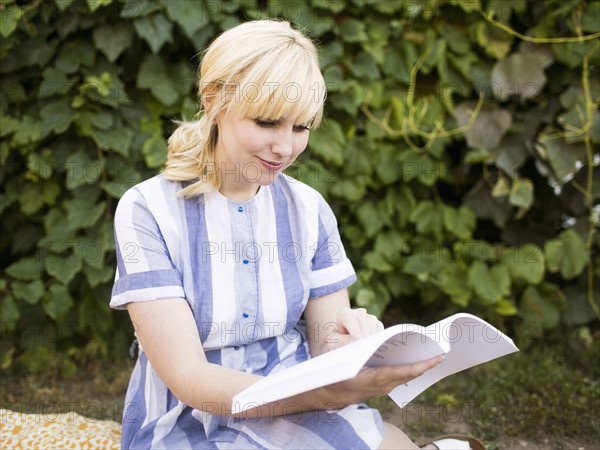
<point>231,270</point>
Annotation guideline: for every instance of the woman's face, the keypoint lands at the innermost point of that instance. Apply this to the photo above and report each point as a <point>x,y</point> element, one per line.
<point>251,152</point>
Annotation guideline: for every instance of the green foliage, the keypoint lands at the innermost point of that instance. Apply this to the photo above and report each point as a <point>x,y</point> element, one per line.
<point>459,152</point>
<point>540,395</point>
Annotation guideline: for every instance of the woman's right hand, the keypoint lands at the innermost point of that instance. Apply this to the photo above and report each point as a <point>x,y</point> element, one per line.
<point>376,381</point>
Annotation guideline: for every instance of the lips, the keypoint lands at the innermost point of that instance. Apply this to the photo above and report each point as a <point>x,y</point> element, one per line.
<point>271,165</point>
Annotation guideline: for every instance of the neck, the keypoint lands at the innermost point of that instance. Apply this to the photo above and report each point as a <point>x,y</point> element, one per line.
<point>239,193</point>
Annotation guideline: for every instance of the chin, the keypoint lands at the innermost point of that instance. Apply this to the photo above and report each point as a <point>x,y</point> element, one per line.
<point>268,179</point>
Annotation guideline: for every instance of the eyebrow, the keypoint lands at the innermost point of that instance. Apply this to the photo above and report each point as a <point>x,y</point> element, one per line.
<point>279,120</point>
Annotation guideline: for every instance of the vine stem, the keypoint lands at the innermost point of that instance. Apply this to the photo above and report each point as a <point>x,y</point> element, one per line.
<point>431,136</point>
<point>584,131</point>
<point>542,40</point>
<point>585,82</point>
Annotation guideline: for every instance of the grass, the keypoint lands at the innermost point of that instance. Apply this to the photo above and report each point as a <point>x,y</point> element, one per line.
<point>537,393</point>
<point>542,394</point>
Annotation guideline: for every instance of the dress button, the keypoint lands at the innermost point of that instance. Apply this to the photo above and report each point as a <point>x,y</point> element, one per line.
<point>240,208</point>
<point>245,315</point>
<point>245,261</point>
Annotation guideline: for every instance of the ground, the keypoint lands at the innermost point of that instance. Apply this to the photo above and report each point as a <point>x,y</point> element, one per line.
<point>99,394</point>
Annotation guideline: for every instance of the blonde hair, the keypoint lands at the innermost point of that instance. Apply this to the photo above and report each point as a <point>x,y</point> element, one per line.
<point>261,69</point>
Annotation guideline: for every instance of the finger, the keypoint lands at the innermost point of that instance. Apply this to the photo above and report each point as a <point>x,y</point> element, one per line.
<point>363,320</point>
<point>419,368</point>
<point>374,324</point>
<point>351,321</point>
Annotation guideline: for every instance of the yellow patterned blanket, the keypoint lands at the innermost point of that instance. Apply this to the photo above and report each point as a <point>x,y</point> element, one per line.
<point>57,431</point>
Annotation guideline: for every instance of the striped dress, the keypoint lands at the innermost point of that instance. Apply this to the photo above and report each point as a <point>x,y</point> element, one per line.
<point>247,270</point>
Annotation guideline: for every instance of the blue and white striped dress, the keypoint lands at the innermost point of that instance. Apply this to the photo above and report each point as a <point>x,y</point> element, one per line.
<point>247,270</point>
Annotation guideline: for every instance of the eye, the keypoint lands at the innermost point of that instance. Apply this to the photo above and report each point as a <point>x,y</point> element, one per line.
<point>265,123</point>
<point>301,128</point>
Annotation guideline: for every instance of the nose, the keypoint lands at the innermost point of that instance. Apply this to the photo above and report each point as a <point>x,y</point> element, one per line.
<point>284,144</point>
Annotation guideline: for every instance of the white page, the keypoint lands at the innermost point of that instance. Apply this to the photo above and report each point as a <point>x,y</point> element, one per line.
<point>471,342</point>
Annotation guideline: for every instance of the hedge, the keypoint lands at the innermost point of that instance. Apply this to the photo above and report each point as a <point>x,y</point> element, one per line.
<point>460,153</point>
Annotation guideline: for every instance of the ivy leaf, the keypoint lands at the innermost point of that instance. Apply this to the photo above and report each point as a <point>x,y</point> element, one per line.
<point>57,301</point>
<point>525,263</point>
<point>28,131</point>
<point>501,188</point>
<point>10,311</point>
<point>64,268</point>
<point>103,120</point>
<point>412,165</point>
<point>428,218</point>
<point>495,43</point>
<point>521,193</point>
<point>9,125</point>
<point>93,5</point>
<point>564,158</point>
<point>572,53</point>
<point>370,217</point>
<point>96,276</point>
<point>506,308</point>
<point>364,66</point>
<point>405,202</point>
<point>56,116</point>
<point>155,151</point>
<point>590,19</point>
<point>189,15</point>
<point>328,142</point>
<point>519,73</point>
<point>485,206</point>
<point>542,306</point>
<point>427,259</point>
<point>566,254</point>
<point>353,189</point>
<point>391,244</point>
<point>9,19</point>
<point>153,76</point>
<point>489,284</point>
<point>115,189</point>
<point>112,40</point>
<point>487,129</point>
<point>30,292</point>
<point>42,163</point>
<point>578,310</point>
<point>74,54</point>
<point>365,297</point>
<point>460,222</point>
<point>31,199</point>
<point>117,139</point>
<point>400,58</point>
<point>378,262</point>
<point>155,29</point>
<point>84,214</point>
<point>352,30</point>
<point>28,268</point>
<point>349,97</point>
<point>80,170</point>
<point>388,166</point>
<point>454,281</point>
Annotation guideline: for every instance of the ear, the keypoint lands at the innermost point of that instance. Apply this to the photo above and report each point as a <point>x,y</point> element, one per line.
<point>208,94</point>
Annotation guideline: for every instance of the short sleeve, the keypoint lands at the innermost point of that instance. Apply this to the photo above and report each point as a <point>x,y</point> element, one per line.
<point>331,270</point>
<point>145,270</point>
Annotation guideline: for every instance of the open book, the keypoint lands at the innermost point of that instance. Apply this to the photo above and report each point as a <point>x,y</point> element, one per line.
<point>465,339</point>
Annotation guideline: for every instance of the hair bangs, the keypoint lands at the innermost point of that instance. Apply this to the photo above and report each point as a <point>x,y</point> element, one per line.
<point>286,83</point>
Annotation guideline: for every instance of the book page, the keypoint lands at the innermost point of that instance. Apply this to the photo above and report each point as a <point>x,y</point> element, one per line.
<point>471,341</point>
<point>408,346</point>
